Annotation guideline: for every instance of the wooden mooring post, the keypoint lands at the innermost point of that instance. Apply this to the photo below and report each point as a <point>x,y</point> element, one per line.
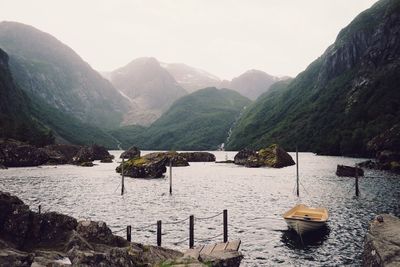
<point>356,176</point>
<point>159,229</point>
<point>191,231</point>
<point>225,225</point>
<point>170,176</point>
<point>40,209</point>
<point>122,182</point>
<point>129,233</point>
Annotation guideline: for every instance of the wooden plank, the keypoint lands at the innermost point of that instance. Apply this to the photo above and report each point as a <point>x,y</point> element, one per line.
<point>207,249</point>
<point>193,253</point>
<point>220,247</point>
<point>233,245</point>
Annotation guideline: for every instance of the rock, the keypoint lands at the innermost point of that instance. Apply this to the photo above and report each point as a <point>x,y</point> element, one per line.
<point>18,154</point>
<point>86,164</point>
<point>90,153</point>
<point>198,156</point>
<point>382,242</point>
<point>144,167</point>
<point>13,258</point>
<point>2,167</point>
<point>100,152</point>
<point>131,153</point>
<point>107,160</point>
<point>242,156</point>
<point>349,171</point>
<point>226,161</point>
<point>272,156</point>
<point>223,258</point>
<point>61,153</point>
<point>52,239</point>
<point>99,233</point>
<point>175,158</point>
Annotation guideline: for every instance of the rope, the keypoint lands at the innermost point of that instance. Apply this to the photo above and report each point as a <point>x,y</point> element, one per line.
<point>206,218</point>
<point>176,222</point>
<point>180,241</point>
<point>118,231</point>
<point>144,227</point>
<point>210,238</point>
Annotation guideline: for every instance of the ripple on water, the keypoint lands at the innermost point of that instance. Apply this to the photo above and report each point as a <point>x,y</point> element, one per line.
<point>255,199</point>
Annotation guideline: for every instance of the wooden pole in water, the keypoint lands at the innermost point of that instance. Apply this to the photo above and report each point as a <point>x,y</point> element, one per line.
<point>159,233</point>
<point>40,209</point>
<point>122,182</point>
<point>191,231</point>
<point>170,176</point>
<point>297,172</point>
<point>357,189</point>
<point>129,233</point>
<point>225,226</point>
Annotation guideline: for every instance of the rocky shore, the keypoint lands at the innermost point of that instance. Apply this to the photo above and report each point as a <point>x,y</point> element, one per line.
<point>52,239</point>
<point>18,154</point>
<point>28,238</point>
<point>382,242</point>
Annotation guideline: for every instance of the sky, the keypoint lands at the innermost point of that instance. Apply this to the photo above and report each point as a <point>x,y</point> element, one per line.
<point>223,37</point>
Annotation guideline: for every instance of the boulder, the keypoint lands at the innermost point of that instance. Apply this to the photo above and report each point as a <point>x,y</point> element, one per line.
<point>144,167</point>
<point>99,233</point>
<point>61,153</point>
<point>2,167</point>
<point>107,160</point>
<point>18,154</point>
<point>382,242</point>
<point>131,153</point>
<point>242,156</point>
<point>198,156</point>
<point>90,153</point>
<point>272,156</point>
<point>86,164</point>
<point>343,170</point>
<point>176,159</point>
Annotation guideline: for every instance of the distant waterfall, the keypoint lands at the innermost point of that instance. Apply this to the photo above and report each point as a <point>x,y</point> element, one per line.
<point>222,146</point>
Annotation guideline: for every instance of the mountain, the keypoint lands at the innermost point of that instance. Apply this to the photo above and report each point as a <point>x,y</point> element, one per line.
<point>199,121</point>
<point>191,79</point>
<point>149,87</point>
<point>34,121</point>
<point>15,119</point>
<point>251,84</point>
<point>342,100</point>
<point>46,68</point>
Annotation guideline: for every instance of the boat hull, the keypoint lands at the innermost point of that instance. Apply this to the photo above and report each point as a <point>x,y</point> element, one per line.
<point>302,227</point>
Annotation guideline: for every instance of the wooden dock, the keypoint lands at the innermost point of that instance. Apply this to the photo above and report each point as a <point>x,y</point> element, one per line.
<point>217,252</point>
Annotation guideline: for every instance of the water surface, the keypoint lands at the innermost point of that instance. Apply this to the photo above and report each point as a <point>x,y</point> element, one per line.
<point>255,199</point>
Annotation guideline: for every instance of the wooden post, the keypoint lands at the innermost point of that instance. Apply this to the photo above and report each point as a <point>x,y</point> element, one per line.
<point>122,182</point>
<point>129,233</point>
<point>170,176</point>
<point>159,233</point>
<point>297,172</point>
<point>357,189</point>
<point>225,226</point>
<point>40,209</point>
<point>191,231</point>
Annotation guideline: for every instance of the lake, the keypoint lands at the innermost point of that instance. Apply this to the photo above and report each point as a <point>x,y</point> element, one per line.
<point>255,200</point>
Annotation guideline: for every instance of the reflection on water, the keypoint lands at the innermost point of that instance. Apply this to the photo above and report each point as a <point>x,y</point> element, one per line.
<point>255,199</point>
<point>307,241</point>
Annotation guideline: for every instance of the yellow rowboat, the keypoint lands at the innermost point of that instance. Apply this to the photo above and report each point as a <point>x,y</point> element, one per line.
<point>303,219</point>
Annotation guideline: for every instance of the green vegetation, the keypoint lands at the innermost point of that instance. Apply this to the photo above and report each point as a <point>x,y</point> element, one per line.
<point>340,102</point>
<point>129,135</point>
<point>199,121</point>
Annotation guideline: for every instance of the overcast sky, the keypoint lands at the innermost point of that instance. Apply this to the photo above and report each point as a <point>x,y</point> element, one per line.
<point>224,37</point>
